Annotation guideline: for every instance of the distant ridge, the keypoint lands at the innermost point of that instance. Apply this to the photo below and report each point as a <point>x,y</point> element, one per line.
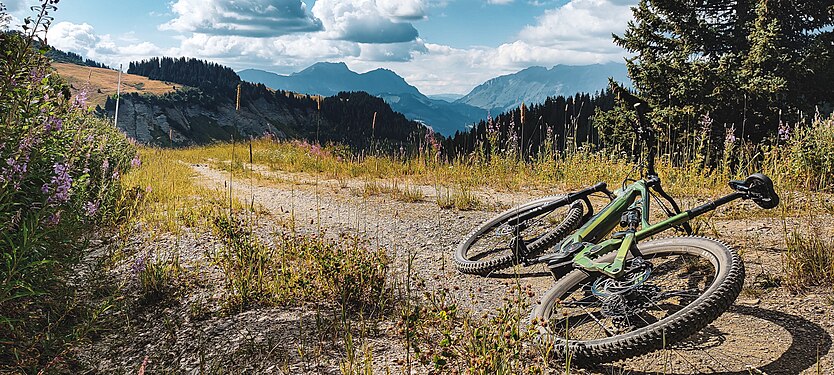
<point>327,79</point>
<point>535,84</point>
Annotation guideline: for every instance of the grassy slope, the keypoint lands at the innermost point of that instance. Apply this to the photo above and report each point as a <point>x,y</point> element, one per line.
<point>101,83</point>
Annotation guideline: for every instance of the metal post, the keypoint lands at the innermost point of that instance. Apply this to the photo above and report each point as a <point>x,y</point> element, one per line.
<point>118,96</point>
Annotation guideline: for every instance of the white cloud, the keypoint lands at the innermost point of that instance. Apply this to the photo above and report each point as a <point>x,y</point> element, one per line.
<point>402,9</point>
<point>77,38</point>
<point>254,18</point>
<point>365,21</point>
<point>369,34</point>
<point>295,51</point>
<point>580,25</point>
<point>83,40</point>
<point>401,52</point>
<point>499,2</point>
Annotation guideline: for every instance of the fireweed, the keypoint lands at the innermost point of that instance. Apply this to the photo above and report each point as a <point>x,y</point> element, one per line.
<point>59,178</point>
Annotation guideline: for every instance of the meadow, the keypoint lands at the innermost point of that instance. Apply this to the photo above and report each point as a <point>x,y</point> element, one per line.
<point>285,256</point>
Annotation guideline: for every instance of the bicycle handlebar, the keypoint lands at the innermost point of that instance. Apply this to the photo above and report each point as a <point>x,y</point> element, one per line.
<point>601,187</point>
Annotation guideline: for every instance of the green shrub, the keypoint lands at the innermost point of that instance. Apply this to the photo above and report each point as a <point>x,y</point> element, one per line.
<point>60,173</point>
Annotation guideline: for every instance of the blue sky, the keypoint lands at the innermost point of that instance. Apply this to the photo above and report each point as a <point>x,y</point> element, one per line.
<point>440,46</point>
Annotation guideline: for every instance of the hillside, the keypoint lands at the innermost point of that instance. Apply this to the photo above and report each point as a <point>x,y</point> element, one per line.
<point>99,83</point>
<point>535,84</point>
<point>330,78</point>
<point>209,112</point>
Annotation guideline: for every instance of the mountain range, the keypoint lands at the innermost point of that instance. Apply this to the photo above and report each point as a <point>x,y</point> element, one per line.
<point>446,113</point>
<point>535,84</point>
<point>328,79</point>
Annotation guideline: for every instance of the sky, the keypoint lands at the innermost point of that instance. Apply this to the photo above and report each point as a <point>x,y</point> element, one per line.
<point>439,46</point>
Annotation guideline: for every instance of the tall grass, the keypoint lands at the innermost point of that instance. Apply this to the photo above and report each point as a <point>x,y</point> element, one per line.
<point>298,269</point>
<point>799,162</point>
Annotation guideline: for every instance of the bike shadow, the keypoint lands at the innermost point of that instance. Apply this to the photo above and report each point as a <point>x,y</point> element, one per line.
<point>809,341</point>
<point>519,275</point>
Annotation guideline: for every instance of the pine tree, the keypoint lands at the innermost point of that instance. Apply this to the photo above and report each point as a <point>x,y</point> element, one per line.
<point>743,62</point>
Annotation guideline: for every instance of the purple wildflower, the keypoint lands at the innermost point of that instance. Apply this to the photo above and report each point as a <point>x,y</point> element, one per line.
<point>116,175</point>
<point>80,100</point>
<point>54,219</point>
<point>105,166</point>
<point>36,75</point>
<point>90,208</point>
<point>15,169</point>
<point>317,150</point>
<point>784,131</point>
<point>60,184</point>
<point>140,264</point>
<point>136,162</point>
<point>54,123</point>
<point>730,136</point>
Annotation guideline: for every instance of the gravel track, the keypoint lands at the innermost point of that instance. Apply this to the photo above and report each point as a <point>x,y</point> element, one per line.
<point>768,329</point>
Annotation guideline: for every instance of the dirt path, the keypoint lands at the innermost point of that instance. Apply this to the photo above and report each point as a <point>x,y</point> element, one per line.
<point>768,329</point>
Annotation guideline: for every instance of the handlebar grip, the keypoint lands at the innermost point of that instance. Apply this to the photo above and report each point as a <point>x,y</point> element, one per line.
<point>602,186</point>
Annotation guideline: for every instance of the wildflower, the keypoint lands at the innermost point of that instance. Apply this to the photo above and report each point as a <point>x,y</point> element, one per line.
<point>59,185</point>
<point>706,123</point>
<point>116,175</point>
<point>90,208</point>
<point>36,75</point>
<point>80,100</point>
<point>54,219</point>
<point>784,131</point>
<point>317,150</point>
<point>139,264</point>
<point>105,166</point>
<point>14,170</point>
<point>54,123</point>
<point>730,136</point>
<point>136,162</point>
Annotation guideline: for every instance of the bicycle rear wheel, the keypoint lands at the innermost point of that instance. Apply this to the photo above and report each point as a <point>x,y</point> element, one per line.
<point>489,247</point>
<point>591,318</point>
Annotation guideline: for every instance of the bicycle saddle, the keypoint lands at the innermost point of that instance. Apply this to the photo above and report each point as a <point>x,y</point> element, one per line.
<point>759,188</point>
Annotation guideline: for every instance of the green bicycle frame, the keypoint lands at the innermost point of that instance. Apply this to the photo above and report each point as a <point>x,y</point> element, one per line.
<point>606,220</point>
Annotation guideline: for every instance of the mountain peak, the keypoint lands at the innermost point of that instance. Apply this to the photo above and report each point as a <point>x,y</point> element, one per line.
<point>326,67</point>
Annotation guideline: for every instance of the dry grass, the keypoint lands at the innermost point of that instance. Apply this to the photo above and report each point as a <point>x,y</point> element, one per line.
<point>101,83</point>
<point>167,196</point>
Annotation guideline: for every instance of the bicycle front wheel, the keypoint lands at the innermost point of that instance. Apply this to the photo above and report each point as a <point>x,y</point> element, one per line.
<point>685,284</point>
<point>489,247</point>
